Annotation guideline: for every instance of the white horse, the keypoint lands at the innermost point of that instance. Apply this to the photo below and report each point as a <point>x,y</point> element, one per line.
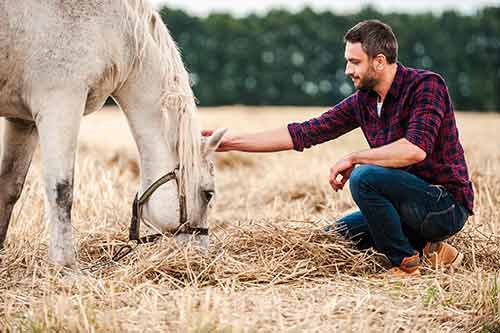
<point>60,60</point>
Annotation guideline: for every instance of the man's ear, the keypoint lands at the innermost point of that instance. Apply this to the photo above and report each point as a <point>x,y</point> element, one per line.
<point>213,141</point>
<point>380,61</point>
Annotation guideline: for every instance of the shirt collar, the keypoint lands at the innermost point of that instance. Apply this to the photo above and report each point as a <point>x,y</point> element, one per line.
<point>397,83</point>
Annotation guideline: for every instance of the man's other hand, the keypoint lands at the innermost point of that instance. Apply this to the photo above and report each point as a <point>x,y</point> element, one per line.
<point>343,169</point>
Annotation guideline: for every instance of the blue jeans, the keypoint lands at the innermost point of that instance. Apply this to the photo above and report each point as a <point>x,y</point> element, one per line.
<point>399,212</point>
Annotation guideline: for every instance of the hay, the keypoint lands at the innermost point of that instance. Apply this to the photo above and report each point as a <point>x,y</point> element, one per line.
<point>481,251</point>
<point>267,269</point>
<point>246,255</point>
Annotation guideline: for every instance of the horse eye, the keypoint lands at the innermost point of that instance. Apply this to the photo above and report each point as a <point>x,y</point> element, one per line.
<point>208,195</point>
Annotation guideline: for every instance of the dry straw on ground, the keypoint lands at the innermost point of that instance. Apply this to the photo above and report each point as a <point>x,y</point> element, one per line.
<point>268,268</point>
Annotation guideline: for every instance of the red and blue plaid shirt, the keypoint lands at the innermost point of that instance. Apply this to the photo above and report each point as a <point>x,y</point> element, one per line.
<point>418,108</point>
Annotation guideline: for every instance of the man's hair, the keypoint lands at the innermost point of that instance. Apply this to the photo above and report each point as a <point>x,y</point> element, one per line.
<point>375,37</point>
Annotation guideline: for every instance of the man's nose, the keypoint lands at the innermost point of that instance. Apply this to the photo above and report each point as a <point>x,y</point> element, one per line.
<point>348,70</point>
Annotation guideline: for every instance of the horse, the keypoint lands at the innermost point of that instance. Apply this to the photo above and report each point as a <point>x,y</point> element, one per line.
<point>61,60</point>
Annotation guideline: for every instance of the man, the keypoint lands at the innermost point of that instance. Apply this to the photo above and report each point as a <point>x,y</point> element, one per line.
<point>412,187</point>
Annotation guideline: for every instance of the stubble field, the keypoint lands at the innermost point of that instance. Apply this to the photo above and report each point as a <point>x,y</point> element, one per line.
<point>268,268</point>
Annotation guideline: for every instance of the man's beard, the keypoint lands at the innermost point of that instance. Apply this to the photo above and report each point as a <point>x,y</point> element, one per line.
<point>368,82</point>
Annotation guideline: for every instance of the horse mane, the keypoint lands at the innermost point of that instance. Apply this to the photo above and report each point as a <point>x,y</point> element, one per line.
<point>177,101</point>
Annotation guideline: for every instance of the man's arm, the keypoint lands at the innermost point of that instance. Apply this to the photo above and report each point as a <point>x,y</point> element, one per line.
<point>397,154</point>
<point>338,120</point>
<point>272,140</point>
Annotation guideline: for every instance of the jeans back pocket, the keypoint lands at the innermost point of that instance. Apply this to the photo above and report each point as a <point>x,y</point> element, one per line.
<point>442,224</point>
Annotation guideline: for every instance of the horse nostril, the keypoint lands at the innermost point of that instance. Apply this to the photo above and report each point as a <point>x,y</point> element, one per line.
<point>208,195</point>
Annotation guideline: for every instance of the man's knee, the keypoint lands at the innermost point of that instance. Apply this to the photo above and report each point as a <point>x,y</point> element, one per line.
<point>351,224</point>
<point>342,229</point>
<point>364,175</point>
<point>357,232</point>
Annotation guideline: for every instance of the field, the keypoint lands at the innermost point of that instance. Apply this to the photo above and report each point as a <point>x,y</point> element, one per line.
<point>268,268</point>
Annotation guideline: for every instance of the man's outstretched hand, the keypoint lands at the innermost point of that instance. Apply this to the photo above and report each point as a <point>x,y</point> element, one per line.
<point>267,141</point>
<point>224,144</point>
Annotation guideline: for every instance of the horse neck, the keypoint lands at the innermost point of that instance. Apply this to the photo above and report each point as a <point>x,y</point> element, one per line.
<point>140,100</point>
<point>160,72</point>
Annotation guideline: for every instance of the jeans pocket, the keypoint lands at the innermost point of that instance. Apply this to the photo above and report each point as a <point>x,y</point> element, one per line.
<point>441,224</point>
<point>438,192</point>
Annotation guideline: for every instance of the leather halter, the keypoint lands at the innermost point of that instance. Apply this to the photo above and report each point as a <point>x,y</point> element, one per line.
<point>183,228</point>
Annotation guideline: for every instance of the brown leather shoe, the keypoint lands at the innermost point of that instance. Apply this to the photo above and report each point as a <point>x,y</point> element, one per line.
<point>442,255</point>
<point>409,267</point>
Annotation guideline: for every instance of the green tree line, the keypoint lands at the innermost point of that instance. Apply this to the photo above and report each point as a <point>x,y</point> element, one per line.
<point>284,58</point>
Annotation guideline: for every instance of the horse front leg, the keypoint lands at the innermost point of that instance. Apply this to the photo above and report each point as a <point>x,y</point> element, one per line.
<point>18,141</point>
<point>58,125</point>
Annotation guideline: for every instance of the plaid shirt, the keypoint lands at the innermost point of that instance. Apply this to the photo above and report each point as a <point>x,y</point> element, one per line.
<point>418,108</point>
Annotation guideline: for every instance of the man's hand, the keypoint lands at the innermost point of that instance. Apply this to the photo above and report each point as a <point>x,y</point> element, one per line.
<point>224,144</point>
<point>343,168</point>
<point>267,141</point>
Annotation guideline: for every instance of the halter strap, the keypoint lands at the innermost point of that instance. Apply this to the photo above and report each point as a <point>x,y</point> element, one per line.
<point>183,228</point>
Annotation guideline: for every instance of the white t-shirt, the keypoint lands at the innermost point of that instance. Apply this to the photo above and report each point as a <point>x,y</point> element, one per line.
<point>379,108</point>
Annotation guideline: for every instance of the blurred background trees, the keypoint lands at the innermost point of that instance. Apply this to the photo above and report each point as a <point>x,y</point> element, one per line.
<point>284,58</point>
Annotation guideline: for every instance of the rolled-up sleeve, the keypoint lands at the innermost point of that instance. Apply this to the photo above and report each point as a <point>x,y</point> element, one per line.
<point>337,121</point>
<point>427,113</point>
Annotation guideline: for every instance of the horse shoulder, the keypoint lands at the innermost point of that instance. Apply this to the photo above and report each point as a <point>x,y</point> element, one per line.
<point>57,45</point>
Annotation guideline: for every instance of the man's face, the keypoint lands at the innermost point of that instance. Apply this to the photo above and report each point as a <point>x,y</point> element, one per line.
<point>359,67</point>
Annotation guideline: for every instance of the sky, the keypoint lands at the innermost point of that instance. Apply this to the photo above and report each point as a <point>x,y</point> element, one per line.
<point>241,8</point>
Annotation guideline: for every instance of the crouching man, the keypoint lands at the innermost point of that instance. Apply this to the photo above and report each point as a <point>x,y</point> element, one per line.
<point>412,186</point>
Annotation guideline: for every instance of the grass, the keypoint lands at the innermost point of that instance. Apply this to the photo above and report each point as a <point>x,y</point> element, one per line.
<point>268,267</point>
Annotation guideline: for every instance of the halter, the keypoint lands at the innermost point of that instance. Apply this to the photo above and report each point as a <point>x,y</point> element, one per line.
<point>183,228</point>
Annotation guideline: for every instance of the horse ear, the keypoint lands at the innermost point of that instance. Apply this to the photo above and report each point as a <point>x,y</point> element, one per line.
<point>211,144</point>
